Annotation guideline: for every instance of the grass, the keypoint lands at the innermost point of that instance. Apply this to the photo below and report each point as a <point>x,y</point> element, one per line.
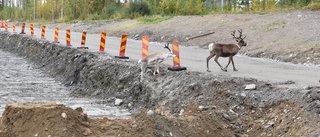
<point>153,20</point>
<point>313,6</point>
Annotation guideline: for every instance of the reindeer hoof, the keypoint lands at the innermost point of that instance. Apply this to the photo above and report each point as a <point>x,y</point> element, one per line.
<point>224,69</point>
<point>235,70</point>
<point>208,70</point>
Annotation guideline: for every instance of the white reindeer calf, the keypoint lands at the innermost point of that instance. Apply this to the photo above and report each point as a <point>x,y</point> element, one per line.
<point>156,59</point>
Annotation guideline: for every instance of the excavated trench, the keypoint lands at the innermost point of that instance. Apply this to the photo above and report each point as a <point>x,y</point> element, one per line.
<point>95,75</point>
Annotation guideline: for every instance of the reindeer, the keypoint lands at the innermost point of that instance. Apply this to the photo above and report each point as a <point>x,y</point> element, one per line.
<point>156,59</point>
<point>226,50</point>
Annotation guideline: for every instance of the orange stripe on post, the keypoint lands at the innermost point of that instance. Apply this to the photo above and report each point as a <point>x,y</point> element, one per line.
<point>103,41</point>
<point>145,46</point>
<point>123,46</point>
<point>176,60</point>
<point>43,32</point>
<point>56,35</point>
<point>68,38</point>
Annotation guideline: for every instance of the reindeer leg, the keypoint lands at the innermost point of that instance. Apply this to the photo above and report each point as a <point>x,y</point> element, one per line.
<point>216,60</point>
<point>208,58</point>
<point>158,66</point>
<point>143,69</point>
<point>155,68</point>
<point>228,63</point>
<point>234,68</point>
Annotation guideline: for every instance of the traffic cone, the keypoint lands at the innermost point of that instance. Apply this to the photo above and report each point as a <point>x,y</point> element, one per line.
<point>176,60</point>
<point>83,41</point>
<point>123,47</point>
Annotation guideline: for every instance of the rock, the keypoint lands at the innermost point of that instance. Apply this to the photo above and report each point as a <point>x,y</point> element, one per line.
<point>86,131</point>
<point>243,94</point>
<point>201,108</point>
<point>306,87</point>
<point>150,112</point>
<point>181,112</point>
<point>250,87</point>
<point>64,115</point>
<point>245,135</point>
<point>269,124</point>
<point>118,102</point>
<point>227,117</point>
<point>130,105</point>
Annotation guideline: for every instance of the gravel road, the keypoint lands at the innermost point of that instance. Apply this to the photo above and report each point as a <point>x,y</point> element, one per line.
<point>22,82</point>
<point>194,59</point>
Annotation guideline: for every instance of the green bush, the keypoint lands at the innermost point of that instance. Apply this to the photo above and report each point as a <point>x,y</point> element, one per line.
<point>139,8</point>
<point>314,6</point>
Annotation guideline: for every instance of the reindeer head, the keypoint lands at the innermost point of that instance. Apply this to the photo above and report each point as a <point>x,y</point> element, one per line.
<point>166,46</point>
<point>239,39</point>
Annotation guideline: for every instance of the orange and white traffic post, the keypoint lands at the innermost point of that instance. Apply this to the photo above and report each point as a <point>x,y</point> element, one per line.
<point>123,46</point>
<point>14,27</point>
<point>83,41</point>
<point>145,46</point>
<point>56,35</point>
<point>68,38</point>
<point>43,32</point>
<point>176,60</point>
<point>6,26</point>
<point>103,41</point>
<point>22,29</point>
<point>1,24</point>
<point>32,30</point>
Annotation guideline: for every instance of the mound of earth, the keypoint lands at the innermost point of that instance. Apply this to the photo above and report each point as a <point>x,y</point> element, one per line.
<point>43,119</point>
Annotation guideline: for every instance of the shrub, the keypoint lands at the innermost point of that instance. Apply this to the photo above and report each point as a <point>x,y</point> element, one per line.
<point>140,8</point>
<point>314,6</point>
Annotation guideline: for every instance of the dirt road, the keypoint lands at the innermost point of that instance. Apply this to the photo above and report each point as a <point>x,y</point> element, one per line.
<point>194,58</point>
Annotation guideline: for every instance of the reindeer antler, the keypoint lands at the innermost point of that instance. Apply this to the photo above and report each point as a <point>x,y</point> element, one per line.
<point>166,46</point>
<point>240,32</point>
<point>233,34</point>
<point>240,36</point>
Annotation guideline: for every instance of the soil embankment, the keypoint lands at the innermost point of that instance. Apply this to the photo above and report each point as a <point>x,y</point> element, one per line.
<point>169,104</point>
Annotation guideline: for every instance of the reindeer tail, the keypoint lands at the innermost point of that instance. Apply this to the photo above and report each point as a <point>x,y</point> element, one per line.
<point>210,46</point>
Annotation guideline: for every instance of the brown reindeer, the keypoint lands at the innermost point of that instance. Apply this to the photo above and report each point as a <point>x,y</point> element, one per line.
<point>226,50</point>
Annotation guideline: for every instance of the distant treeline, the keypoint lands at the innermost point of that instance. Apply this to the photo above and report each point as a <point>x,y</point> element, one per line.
<point>67,10</point>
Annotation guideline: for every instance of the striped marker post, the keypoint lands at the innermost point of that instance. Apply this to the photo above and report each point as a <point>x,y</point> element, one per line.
<point>14,27</point>
<point>176,60</point>
<point>22,29</point>
<point>6,26</point>
<point>32,30</point>
<point>103,41</point>
<point>83,41</point>
<point>123,47</point>
<point>68,38</point>
<point>145,45</point>
<point>43,32</point>
<point>1,24</point>
<point>56,35</point>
